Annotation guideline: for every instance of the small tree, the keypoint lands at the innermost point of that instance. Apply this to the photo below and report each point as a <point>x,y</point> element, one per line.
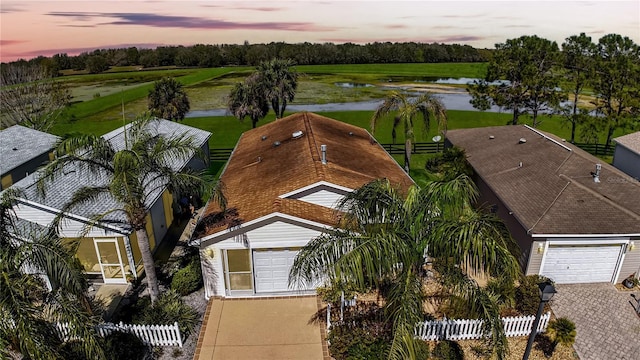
<point>279,83</point>
<point>248,99</point>
<point>167,100</point>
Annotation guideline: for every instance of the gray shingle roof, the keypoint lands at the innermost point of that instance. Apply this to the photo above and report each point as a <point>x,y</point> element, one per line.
<point>19,144</point>
<point>549,188</point>
<point>630,141</point>
<point>59,191</point>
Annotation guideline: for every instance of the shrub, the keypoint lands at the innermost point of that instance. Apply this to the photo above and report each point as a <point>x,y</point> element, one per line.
<point>504,290</point>
<point>168,309</point>
<point>448,350</point>
<point>362,335</point>
<point>562,331</point>
<point>528,294</point>
<point>188,279</point>
<point>332,294</point>
<point>122,345</point>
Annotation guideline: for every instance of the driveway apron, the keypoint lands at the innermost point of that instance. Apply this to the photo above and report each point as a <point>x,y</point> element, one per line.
<point>606,323</point>
<point>272,328</point>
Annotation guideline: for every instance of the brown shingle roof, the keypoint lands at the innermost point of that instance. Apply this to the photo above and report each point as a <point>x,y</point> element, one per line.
<point>259,172</point>
<point>553,190</point>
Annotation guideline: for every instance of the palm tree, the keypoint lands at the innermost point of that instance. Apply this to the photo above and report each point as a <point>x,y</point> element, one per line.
<point>133,176</point>
<point>280,83</point>
<point>406,109</point>
<point>30,305</point>
<point>248,99</point>
<point>167,100</point>
<point>383,236</point>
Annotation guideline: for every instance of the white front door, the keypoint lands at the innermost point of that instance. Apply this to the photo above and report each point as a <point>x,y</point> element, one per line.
<point>271,269</point>
<point>581,263</point>
<point>110,260</point>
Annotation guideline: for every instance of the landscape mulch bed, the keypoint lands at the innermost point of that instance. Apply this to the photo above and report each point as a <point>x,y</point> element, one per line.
<point>517,345</point>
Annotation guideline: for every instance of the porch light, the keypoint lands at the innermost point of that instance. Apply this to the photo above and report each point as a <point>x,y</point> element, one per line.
<point>632,245</point>
<point>546,293</point>
<point>540,248</point>
<point>210,253</point>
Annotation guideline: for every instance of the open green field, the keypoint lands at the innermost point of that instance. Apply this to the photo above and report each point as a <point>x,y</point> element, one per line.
<point>98,98</point>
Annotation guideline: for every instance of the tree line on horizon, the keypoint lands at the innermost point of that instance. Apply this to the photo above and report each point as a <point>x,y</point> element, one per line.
<point>205,56</point>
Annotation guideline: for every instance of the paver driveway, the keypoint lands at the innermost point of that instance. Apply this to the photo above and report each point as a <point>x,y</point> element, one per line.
<point>261,329</point>
<point>606,323</point>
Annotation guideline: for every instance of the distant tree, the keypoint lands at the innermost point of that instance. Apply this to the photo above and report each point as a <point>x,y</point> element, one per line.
<point>406,109</point>
<point>31,97</point>
<point>248,99</point>
<point>279,82</point>
<point>577,54</point>
<point>616,82</point>
<point>97,64</point>
<point>167,100</point>
<point>524,68</point>
<point>29,305</point>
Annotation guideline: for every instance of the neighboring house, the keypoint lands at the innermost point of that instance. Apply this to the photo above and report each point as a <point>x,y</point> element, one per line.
<point>627,154</point>
<point>575,217</point>
<point>282,184</point>
<point>109,250</point>
<point>23,150</point>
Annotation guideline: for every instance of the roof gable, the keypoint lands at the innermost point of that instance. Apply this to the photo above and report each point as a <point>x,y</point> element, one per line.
<point>548,184</point>
<point>630,141</point>
<point>59,191</point>
<point>19,145</point>
<point>269,162</point>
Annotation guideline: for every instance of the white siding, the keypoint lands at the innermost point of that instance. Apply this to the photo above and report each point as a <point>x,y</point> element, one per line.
<point>69,228</point>
<point>280,234</point>
<point>323,198</point>
<point>212,271</point>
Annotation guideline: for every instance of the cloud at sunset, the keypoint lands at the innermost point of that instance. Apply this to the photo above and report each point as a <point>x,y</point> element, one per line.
<point>186,22</point>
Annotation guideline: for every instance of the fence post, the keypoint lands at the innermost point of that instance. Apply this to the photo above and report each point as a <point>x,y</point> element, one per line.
<point>175,324</point>
<point>328,317</point>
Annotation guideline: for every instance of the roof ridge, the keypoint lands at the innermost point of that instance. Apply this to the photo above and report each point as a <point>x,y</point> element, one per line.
<point>602,197</point>
<point>550,205</point>
<point>313,149</point>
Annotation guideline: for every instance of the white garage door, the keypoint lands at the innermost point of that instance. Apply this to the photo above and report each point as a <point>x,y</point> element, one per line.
<point>581,264</point>
<point>271,269</point>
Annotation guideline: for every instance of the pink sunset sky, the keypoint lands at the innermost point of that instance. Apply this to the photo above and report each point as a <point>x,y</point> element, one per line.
<point>30,28</point>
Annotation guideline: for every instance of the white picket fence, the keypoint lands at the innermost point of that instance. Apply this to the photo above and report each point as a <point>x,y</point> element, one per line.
<point>156,335</point>
<point>465,329</point>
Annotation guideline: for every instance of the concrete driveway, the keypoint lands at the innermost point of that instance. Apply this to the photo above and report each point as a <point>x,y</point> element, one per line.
<point>606,324</point>
<point>261,328</point>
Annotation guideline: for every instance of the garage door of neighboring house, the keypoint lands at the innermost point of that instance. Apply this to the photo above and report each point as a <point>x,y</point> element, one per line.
<point>581,264</point>
<point>271,269</point>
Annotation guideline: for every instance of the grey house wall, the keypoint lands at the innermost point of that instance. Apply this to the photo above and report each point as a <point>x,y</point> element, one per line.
<point>627,161</point>
<point>631,264</point>
<point>20,172</point>
<point>158,219</point>
<point>200,164</point>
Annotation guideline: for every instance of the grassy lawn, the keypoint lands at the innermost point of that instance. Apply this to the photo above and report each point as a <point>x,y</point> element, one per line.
<point>384,71</point>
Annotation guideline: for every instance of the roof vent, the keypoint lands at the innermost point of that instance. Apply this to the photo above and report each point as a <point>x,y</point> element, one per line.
<point>297,134</point>
<point>276,143</point>
<point>522,141</point>
<point>264,137</point>
<point>323,150</point>
<point>491,137</point>
<point>350,133</point>
<point>596,174</point>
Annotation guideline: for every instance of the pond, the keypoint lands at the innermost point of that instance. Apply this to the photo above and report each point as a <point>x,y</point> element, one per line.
<point>458,101</point>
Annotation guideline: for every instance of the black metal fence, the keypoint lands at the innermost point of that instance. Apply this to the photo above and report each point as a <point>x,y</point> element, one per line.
<point>223,154</point>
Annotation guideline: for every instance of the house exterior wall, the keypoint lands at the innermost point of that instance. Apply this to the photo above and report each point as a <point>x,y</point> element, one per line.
<point>322,195</point>
<point>20,172</point>
<point>158,220</point>
<point>631,263</point>
<point>627,161</point>
<point>273,235</point>
<point>200,164</point>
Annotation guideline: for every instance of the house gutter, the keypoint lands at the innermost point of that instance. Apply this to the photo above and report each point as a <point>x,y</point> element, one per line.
<point>582,235</point>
